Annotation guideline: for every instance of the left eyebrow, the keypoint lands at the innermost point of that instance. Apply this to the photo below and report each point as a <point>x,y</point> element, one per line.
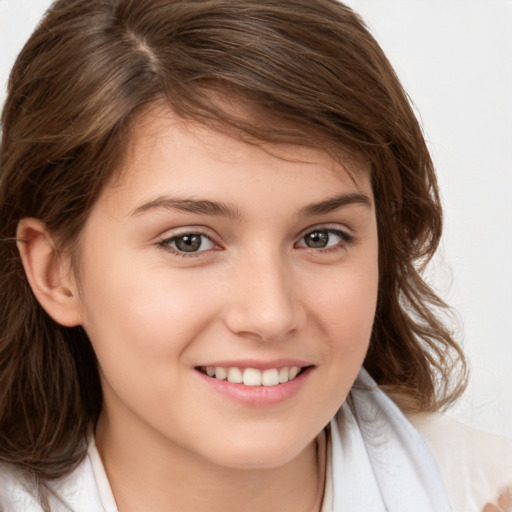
<point>335,203</point>
<point>196,206</point>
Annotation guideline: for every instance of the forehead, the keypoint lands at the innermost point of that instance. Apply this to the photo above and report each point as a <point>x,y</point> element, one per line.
<point>166,150</point>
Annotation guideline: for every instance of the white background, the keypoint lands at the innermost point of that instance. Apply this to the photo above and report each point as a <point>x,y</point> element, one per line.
<point>454,58</point>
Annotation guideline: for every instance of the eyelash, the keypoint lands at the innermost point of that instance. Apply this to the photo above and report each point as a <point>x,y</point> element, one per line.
<point>346,239</point>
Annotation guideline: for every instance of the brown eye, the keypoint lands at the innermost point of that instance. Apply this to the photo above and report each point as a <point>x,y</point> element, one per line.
<point>189,242</point>
<point>324,239</point>
<point>317,239</point>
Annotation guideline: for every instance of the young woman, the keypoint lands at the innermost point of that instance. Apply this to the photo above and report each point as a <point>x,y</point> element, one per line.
<point>213,217</point>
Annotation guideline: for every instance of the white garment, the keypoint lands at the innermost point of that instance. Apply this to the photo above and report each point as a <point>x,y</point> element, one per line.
<point>475,466</point>
<point>375,444</point>
<point>376,461</point>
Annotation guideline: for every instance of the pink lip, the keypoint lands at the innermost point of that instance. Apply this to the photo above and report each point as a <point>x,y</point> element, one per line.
<point>257,396</point>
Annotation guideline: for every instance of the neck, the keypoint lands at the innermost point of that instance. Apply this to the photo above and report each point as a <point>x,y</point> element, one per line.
<point>153,473</point>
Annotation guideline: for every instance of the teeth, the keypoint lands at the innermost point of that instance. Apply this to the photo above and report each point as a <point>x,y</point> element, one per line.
<point>220,373</point>
<point>235,375</point>
<point>253,376</point>
<point>294,370</point>
<point>270,377</point>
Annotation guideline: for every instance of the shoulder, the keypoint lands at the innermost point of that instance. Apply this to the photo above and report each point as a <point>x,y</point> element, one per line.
<point>475,465</point>
<point>75,492</point>
<point>15,492</point>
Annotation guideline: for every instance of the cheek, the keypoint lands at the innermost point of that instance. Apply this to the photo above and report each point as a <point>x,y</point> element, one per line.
<point>135,314</point>
<point>346,302</point>
<point>344,311</point>
<point>141,330</point>
<point>345,307</point>
<point>348,324</point>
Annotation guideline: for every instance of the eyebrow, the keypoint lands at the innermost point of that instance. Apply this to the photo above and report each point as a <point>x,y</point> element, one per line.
<point>197,206</point>
<point>221,209</point>
<point>335,203</point>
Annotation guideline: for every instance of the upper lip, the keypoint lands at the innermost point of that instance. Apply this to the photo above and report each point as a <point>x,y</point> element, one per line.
<point>258,364</point>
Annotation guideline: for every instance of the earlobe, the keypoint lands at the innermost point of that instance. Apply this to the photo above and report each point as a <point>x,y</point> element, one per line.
<point>48,274</point>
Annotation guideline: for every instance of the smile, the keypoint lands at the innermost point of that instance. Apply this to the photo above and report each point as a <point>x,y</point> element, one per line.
<point>252,376</point>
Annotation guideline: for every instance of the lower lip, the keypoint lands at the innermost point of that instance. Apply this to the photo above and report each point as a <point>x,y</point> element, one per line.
<point>258,396</point>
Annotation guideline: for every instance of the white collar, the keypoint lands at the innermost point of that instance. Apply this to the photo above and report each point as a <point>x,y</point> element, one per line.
<point>379,460</point>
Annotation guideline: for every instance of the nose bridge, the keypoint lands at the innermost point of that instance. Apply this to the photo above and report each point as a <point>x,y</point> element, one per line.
<point>266,303</point>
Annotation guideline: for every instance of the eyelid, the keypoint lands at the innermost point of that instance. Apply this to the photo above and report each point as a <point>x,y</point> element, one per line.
<point>333,227</point>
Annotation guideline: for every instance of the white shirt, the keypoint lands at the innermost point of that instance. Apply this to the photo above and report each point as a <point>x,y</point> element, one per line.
<point>475,467</point>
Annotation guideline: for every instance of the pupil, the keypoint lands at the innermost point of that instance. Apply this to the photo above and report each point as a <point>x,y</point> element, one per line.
<point>188,243</point>
<point>317,239</point>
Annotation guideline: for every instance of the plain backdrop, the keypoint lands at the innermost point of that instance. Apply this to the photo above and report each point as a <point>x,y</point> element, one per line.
<point>454,58</point>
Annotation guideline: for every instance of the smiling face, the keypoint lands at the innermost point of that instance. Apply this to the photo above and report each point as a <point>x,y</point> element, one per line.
<point>212,261</point>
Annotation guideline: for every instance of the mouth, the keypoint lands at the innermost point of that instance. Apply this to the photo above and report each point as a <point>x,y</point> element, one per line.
<point>253,376</point>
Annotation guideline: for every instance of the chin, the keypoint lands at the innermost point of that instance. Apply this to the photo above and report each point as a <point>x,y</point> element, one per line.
<point>254,454</point>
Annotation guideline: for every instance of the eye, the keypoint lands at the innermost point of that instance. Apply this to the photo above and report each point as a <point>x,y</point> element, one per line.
<point>324,239</point>
<point>188,243</point>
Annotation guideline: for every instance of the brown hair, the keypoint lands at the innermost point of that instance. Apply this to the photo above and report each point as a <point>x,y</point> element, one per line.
<point>78,85</point>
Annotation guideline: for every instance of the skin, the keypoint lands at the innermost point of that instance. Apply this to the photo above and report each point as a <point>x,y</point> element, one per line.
<point>503,504</point>
<point>254,291</point>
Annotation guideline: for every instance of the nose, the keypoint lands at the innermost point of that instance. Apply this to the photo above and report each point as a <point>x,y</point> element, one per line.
<point>265,300</point>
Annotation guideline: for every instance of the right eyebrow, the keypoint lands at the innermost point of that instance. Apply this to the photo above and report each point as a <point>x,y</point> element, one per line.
<point>335,203</point>
<point>197,206</point>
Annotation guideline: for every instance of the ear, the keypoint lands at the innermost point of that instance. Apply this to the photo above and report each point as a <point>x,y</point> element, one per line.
<point>49,273</point>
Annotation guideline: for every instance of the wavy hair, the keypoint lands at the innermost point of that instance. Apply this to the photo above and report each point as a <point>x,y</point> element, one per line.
<point>77,88</point>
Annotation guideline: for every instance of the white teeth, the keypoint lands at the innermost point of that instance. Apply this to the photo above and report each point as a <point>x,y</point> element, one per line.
<point>294,370</point>
<point>253,376</point>
<point>220,373</point>
<point>235,375</point>
<point>270,377</point>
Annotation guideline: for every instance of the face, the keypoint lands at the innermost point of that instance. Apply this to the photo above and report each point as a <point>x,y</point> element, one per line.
<point>229,291</point>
